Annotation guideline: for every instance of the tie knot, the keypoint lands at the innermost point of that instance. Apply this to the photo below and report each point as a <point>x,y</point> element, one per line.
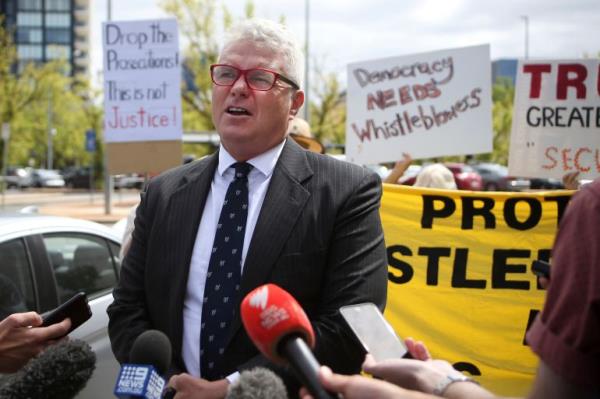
<point>241,169</point>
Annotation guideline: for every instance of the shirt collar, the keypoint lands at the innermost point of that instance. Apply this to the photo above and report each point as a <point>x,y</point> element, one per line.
<point>264,163</point>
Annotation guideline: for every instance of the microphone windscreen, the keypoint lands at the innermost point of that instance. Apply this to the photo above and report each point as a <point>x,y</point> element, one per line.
<point>270,314</point>
<point>60,372</point>
<point>257,383</point>
<point>154,348</point>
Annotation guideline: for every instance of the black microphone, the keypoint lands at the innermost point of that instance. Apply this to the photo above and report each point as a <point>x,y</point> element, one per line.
<point>60,372</point>
<point>149,360</point>
<point>257,383</point>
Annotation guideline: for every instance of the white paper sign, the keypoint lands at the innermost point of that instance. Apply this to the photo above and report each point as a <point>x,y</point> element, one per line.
<point>142,76</point>
<point>428,105</point>
<point>556,119</point>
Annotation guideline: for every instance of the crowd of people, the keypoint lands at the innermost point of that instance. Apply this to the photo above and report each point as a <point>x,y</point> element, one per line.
<point>263,210</point>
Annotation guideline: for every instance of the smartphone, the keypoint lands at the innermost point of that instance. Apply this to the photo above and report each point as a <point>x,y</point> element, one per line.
<point>541,268</point>
<point>76,308</point>
<point>373,331</point>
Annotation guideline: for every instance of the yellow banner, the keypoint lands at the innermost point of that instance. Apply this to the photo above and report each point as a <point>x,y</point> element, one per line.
<point>460,275</point>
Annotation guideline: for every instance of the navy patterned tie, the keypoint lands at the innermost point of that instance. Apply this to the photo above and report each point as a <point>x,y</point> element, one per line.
<point>224,270</point>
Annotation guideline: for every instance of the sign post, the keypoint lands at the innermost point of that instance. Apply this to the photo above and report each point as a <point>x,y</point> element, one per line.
<point>5,139</point>
<point>90,146</point>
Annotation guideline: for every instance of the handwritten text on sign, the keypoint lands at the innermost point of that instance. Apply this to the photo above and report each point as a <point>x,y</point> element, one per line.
<point>142,74</point>
<point>556,122</point>
<point>428,105</point>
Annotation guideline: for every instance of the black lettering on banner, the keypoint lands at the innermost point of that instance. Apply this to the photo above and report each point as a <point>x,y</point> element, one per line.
<point>433,262</point>
<point>510,215</point>
<point>470,211</point>
<point>459,272</point>
<point>500,268</point>
<point>532,315</point>
<point>405,268</point>
<point>468,367</point>
<point>430,212</point>
<point>561,204</point>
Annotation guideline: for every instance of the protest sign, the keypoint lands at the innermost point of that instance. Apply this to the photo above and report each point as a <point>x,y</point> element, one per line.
<point>142,75</point>
<point>428,105</point>
<point>556,119</point>
<point>459,275</point>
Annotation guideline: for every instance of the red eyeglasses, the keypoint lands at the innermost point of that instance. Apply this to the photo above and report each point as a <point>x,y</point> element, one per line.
<point>256,78</point>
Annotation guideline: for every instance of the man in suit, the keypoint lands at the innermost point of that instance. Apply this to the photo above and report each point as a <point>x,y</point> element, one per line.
<point>310,225</point>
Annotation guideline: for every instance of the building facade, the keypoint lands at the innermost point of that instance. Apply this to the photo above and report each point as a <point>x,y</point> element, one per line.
<point>46,30</point>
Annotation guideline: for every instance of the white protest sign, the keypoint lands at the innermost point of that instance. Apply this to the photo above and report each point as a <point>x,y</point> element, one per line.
<point>428,105</point>
<point>556,119</point>
<point>142,76</point>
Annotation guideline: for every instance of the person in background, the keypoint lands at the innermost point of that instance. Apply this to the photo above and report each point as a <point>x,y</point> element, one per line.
<point>22,338</point>
<point>431,176</point>
<point>565,335</point>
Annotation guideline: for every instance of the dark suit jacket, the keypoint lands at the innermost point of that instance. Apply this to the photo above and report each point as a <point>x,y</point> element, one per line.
<point>318,236</point>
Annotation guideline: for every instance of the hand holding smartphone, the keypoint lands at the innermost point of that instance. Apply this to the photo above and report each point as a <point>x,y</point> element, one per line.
<point>374,332</point>
<point>541,268</point>
<point>76,309</point>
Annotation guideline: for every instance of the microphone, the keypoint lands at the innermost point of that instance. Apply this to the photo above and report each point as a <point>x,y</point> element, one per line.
<point>280,329</point>
<point>60,371</point>
<point>149,358</point>
<point>257,383</point>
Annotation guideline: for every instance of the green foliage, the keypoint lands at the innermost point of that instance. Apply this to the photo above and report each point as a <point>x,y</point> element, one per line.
<point>328,112</point>
<point>41,97</point>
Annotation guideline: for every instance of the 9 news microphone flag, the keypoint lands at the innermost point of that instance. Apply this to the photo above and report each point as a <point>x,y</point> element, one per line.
<point>150,358</point>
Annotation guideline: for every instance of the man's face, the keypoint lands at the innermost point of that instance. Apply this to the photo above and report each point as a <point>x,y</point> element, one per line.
<point>251,122</point>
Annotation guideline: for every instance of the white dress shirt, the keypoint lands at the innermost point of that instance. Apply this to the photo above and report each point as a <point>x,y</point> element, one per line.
<point>258,182</point>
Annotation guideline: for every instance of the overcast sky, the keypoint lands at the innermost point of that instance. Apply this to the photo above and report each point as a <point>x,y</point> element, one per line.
<point>346,31</point>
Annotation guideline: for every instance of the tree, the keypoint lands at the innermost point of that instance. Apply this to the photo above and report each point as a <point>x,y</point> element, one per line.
<point>328,111</point>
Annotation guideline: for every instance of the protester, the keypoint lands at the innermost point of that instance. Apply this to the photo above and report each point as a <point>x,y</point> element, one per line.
<point>431,176</point>
<point>436,176</point>
<point>566,335</point>
<point>309,224</point>
<point>22,338</point>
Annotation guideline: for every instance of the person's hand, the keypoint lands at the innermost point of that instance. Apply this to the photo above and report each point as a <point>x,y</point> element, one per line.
<point>21,338</point>
<point>421,373</point>
<point>570,181</point>
<point>544,282</point>
<point>358,387</point>
<point>417,349</point>
<point>399,169</point>
<point>188,387</point>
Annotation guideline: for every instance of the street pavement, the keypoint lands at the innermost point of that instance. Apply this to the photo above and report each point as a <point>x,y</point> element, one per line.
<point>73,203</point>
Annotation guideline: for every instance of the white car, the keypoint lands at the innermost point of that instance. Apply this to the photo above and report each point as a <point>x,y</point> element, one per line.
<point>45,260</point>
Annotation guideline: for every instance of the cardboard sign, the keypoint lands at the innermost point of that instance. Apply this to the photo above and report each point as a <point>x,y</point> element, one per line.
<point>428,105</point>
<point>459,275</point>
<point>142,75</point>
<point>556,119</point>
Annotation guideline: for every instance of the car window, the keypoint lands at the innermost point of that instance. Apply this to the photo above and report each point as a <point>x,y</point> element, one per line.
<point>16,286</point>
<point>81,262</point>
<point>114,251</point>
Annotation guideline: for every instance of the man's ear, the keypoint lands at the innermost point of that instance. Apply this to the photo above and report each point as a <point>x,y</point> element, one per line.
<point>297,101</point>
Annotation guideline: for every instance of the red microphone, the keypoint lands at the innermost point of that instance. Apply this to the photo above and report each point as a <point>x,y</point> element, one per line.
<point>281,330</point>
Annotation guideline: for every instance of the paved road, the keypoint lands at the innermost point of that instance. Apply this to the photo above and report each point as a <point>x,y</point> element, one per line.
<point>72,203</point>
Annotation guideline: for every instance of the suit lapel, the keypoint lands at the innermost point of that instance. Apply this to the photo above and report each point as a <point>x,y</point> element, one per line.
<point>185,210</point>
<point>283,204</point>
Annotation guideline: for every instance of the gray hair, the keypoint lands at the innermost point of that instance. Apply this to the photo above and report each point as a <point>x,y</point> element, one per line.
<point>275,37</point>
